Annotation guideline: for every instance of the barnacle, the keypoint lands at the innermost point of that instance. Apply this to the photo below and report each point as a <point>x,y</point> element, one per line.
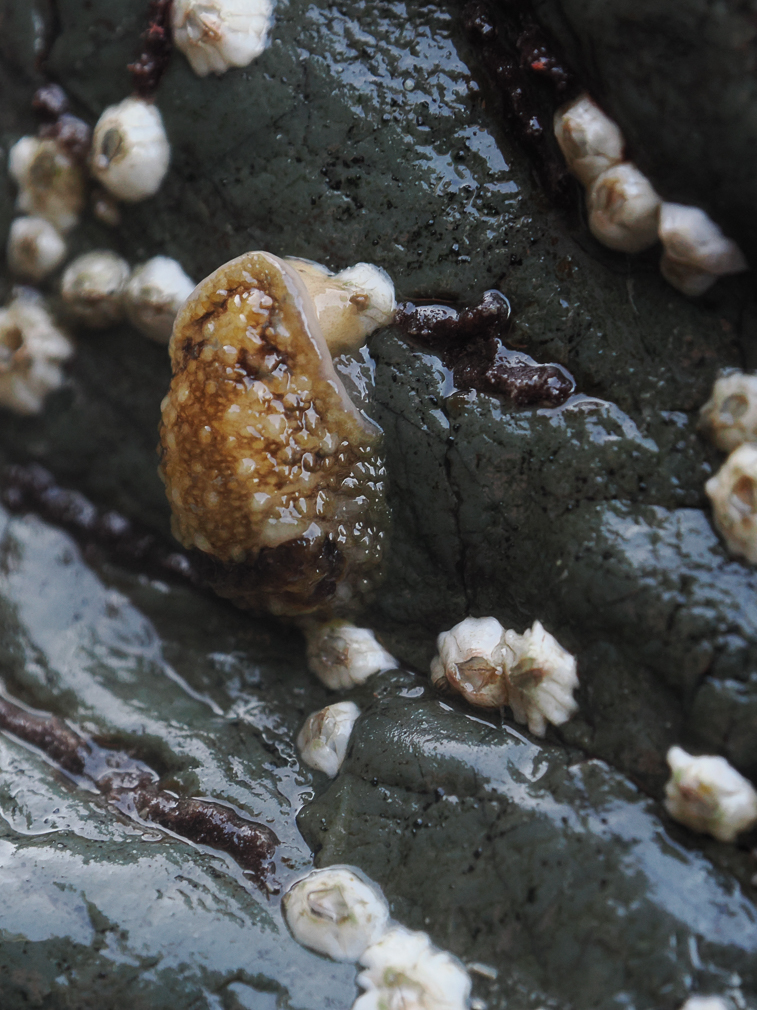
<point>472,660</point>
<point>50,181</point>
<point>336,912</point>
<point>733,493</point>
<point>270,469</point>
<point>130,150</point>
<point>590,140</point>
<point>405,971</point>
<point>32,349</point>
<point>709,796</point>
<point>729,417</point>
<point>323,739</point>
<point>153,296</point>
<point>623,209</point>
<point>696,252</point>
<point>92,288</point>
<point>217,34</point>
<point>35,248</point>
<point>542,680</point>
<point>342,655</point>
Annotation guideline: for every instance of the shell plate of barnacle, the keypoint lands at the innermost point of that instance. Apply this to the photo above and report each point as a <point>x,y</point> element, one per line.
<point>273,475</point>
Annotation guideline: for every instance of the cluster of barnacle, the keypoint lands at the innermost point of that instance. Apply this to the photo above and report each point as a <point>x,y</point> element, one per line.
<point>625,212</point>
<point>339,912</point>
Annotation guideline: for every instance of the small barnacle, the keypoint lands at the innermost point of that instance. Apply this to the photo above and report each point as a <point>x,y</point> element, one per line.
<point>696,252</point>
<point>350,304</point>
<point>342,655</point>
<point>405,971</point>
<point>472,659</point>
<point>707,1003</point>
<point>32,349</point>
<point>336,912</point>
<point>623,209</point>
<point>323,739</point>
<point>50,181</point>
<point>271,470</point>
<point>154,294</point>
<point>92,288</point>
<point>708,795</point>
<point>130,150</point>
<point>729,418</point>
<point>733,493</point>
<point>35,248</point>
<point>541,681</point>
<point>217,34</point>
<point>590,140</point>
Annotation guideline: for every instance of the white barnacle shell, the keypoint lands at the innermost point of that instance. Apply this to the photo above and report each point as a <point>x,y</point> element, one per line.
<point>130,150</point>
<point>590,141</point>
<point>50,182</point>
<point>707,1003</point>
<point>623,209</point>
<point>351,304</point>
<point>154,294</point>
<point>323,739</point>
<point>708,795</point>
<point>472,659</point>
<point>336,912</point>
<point>32,349</point>
<point>342,655</point>
<point>404,971</point>
<point>92,287</point>
<point>35,248</point>
<point>696,252</point>
<point>217,34</point>
<point>733,493</point>
<point>542,680</point>
<point>729,417</point>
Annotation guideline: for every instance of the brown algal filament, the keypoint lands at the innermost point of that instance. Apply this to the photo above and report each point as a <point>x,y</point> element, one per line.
<point>152,63</point>
<point>133,789</point>
<point>470,342</point>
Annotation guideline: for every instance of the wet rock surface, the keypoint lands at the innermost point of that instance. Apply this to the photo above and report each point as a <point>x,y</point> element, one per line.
<point>571,492</point>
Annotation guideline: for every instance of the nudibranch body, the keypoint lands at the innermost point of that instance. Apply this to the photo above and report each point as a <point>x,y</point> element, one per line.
<point>271,471</point>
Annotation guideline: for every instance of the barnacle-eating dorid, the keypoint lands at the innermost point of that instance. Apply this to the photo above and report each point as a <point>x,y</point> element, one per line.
<point>154,294</point>
<point>342,655</point>
<point>472,659</point>
<point>696,252</point>
<point>50,181</point>
<point>32,349</point>
<point>271,470</point>
<point>336,911</point>
<point>130,150</point>
<point>708,795</point>
<point>35,248</point>
<point>217,34</point>
<point>323,739</point>
<point>92,288</point>
<point>404,970</point>
<point>590,141</point>
<point>729,418</point>
<point>733,493</point>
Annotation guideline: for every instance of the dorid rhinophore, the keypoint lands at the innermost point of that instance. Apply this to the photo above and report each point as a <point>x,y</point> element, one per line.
<point>215,35</point>
<point>336,912</point>
<point>623,209</point>
<point>542,680</point>
<point>270,469</point>
<point>32,349</point>
<point>708,795</point>
<point>492,667</point>
<point>50,182</point>
<point>323,739</point>
<point>92,288</point>
<point>35,248</point>
<point>696,252</point>
<point>403,969</point>
<point>342,655</point>
<point>472,659</point>
<point>733,493</point>
<point>729,418</point>
<point>590,141</point>
<point>154,294</point>
<point>130,150</point>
